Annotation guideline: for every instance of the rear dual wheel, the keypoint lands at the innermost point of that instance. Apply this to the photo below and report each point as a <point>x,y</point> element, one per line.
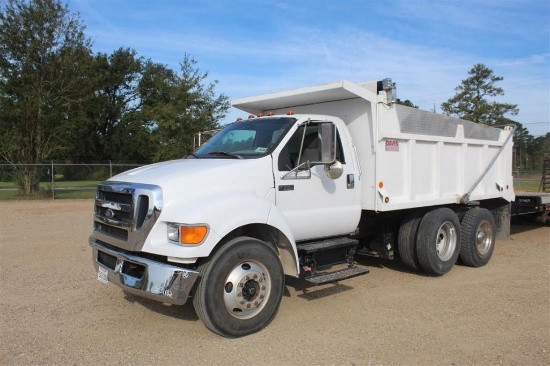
<point>406,242</point>
<point>433,242</point>
<point>438,241</point>
<point>478,237</point>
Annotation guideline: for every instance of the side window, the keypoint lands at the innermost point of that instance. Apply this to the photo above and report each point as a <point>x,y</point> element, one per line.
<point>290,158</point>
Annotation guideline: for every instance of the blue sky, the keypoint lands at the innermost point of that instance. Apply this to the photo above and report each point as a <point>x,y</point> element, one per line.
<point>262,46</point>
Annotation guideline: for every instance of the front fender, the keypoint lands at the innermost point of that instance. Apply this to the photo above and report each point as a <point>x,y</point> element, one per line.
<point>250,209</point>
<point>287,243</point>
<point>223,212</point>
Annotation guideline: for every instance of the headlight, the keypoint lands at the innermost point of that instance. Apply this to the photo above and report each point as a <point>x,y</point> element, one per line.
<point>173,232</point>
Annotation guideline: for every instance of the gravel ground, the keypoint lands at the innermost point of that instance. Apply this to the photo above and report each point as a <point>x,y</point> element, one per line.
<point>54,311</point>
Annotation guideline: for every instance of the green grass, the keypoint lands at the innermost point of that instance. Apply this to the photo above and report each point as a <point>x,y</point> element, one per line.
<point>78,190</point>
<point>526,185</point>
<point>14,195</point>
<point>87,190</point>
<point>75,194</point>
<point>82,183</point>
<point>62,184</point>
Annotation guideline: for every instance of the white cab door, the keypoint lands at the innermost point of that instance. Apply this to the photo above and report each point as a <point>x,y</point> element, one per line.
<point>317,206</point>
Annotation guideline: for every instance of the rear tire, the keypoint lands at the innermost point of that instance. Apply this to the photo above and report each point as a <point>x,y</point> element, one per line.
<point>406,243</point>
<point>438,241</point>
<point>240,288</point>
<point>478,237</point>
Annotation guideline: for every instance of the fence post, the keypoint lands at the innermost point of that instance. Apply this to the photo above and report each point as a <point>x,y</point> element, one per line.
<point>53,180</point>
<point>110,168</point>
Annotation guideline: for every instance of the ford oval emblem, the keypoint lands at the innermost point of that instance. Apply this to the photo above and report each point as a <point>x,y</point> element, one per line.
<point>109,213</point>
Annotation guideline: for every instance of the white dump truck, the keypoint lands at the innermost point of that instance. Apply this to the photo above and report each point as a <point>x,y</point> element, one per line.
<point>313,178</point>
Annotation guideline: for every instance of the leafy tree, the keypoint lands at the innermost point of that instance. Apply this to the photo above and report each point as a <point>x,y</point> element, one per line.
<point>112,118</point>
<point>522,141</point>
<point>538,150</point>
<point>44,68</point>
<point>406,102</point>
<point>471,103</point>
<point>181,105</point>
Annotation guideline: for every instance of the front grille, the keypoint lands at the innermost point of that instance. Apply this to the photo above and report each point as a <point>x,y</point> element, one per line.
<point>141,212</point>
<point>110,230</point>
<point>125,213</point>
<point>125,198</point>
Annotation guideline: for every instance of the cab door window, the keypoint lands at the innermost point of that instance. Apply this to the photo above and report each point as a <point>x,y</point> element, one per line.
<point>290,156</point>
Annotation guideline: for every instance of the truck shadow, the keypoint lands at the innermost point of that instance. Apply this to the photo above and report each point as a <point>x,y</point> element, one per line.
<point>304,290</point>
<point>396,265</point>
<point>309,291</point>
<point>183,312</point>
<point>521,226</point>
<point>391,264</point>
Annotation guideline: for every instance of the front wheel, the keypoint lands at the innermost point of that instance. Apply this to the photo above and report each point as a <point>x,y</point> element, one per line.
<point>240,288</point>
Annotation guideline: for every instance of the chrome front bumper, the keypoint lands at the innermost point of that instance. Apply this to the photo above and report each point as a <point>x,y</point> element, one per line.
<point>144,277</point>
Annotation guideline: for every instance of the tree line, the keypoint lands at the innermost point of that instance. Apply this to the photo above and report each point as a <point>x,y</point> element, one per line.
<point>472,102</point>
<point>60,101</point>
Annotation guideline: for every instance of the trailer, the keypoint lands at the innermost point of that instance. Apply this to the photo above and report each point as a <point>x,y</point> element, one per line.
<point>531,206</point>
<point>314,177</point>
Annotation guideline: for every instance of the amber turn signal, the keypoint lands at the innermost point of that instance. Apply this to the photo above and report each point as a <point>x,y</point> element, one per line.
<point>192,234</point>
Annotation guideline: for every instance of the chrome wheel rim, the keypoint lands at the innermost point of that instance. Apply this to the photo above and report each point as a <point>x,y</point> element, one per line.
<point>484,238</point>
<point>446,241</point>
<point>246,290</point>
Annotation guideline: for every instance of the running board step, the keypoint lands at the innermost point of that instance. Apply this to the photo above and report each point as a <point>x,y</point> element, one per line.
<point>337,276</point>
<point>327,244</point>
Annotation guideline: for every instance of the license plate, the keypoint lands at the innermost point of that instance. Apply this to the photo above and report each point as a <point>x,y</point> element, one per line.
<point>103,275</point>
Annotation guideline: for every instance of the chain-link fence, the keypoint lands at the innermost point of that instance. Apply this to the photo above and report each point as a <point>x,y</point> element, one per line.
<point>527,180</point>
<point>56,180</point>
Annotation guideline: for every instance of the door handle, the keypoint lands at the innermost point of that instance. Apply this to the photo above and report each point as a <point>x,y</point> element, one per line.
<point>351,181</point>
<point>288,187</point>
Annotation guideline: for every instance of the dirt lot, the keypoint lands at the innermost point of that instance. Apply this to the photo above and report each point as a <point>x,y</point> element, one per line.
<point>54,311</point>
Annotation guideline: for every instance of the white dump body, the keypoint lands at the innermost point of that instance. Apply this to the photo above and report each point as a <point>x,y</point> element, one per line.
<point>409,158</point>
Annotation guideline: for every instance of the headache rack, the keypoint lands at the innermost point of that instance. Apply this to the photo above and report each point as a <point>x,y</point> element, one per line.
<point>124,213</point>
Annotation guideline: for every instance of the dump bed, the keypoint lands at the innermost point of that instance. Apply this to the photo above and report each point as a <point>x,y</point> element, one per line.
<point>408,157</point>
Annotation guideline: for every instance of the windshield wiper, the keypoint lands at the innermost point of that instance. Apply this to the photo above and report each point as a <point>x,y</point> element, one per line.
<point>193,155</point>
<point>225,153</point>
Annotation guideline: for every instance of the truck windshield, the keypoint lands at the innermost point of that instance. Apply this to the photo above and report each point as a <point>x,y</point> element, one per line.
<point>248,139</point>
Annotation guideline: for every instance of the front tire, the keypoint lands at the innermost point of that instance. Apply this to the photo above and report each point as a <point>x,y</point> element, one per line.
<point>438,241</point>
<point>478,237</point>
<point>240,288</point>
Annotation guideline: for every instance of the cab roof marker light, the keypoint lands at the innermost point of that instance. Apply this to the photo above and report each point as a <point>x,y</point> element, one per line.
<point>270,113</point>
<point>239,119</point>
<point>251,116</point>
<point>290,113</point>
<point>260,114</point>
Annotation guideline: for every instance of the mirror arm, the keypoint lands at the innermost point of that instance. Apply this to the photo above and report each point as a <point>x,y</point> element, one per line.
<point>295,171</point>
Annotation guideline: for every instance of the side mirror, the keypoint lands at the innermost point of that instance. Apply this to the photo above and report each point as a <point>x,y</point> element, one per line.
<point>334,170</point>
